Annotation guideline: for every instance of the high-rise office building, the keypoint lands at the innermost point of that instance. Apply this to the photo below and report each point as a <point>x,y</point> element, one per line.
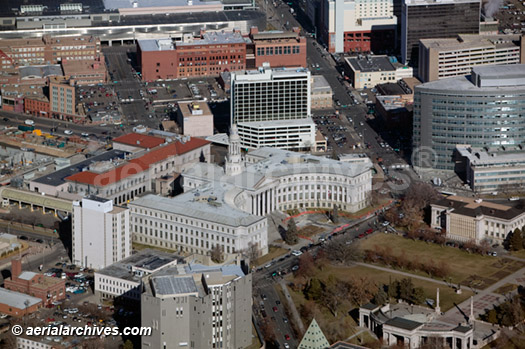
<point>272,108</point>
<point>425,19</point>
<point>101,234</point>
<point>483,109</point>
<point>197,306</point>
<point>358,25</point>
<point>446,58</point>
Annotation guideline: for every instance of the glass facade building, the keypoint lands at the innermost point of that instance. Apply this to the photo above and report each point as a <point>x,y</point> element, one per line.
<point>485,109</point>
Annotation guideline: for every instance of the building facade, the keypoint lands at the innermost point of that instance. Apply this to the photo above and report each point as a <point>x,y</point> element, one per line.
<point>101,233</point>
<point>197,306</point>
<point>467,219</point>
<point>489,170</point>
<point>122,181</point>
<point>276,48</point>
<point>273,107</point>
<point>446,58</point>
<point>47,289</point>
<point>18,304</point>
<point>209,55</point>
<point>62,99</point>
<point>482,110</point>
<point>47,50</point>
<point>124,278</point>
<point>358,25</point>
<point>195,119</point>
<point>426,19</point>
<point>322,95</point>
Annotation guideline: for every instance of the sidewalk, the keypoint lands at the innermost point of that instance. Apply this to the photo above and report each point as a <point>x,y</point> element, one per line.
<point>291,305</point>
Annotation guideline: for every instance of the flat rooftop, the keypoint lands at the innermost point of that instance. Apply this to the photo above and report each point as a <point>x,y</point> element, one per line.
<point>269,74</point>
<point>194,109</point>
<point>472,41</point>
<point>17,299</point>
<point>493,156</point>
<point>320,84</point>
<point>58,177</point>
<point>367,64</point>
<point>149,260</point>
<point>205,203</point>
<point>437,2</point>
<point>473,208</point>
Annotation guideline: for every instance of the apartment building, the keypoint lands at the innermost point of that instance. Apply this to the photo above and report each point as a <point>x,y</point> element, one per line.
<point>272,107</point>
<point>445,58</point>
<point>468,219</point>
<point>489,170</point>
<point>358,25</point>
<point>62,99</point>
<point>426,19</point>
<point>101,233</point>
<point>198,306</point>
<point>47,50</point>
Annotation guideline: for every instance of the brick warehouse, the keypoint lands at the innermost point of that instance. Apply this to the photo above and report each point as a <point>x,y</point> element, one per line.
<point>210,54</point>
<point>215,52</point>
<point>47,288</point>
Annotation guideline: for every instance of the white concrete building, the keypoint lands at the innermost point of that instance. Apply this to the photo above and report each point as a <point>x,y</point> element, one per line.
<point>272,107</point>
<point>100,233</point>
<point>344,18</point>
<point>124,278</point>
<point>195,119</point>
<point>198,306</point>
<point>275,179</point>
<point>489,170</point>
<point>445,58</point>
<point>467,219</point>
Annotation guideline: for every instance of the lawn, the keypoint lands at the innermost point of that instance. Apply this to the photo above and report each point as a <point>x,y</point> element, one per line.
<point>519,254</point>
<point>503,290</point>
<point>273,252</point>
<point>465,268</point>
<point>447,295</point>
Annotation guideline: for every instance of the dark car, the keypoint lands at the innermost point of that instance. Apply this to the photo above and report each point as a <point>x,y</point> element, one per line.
<point>40,241</point>
<point>23,237</point>
<point>5,119</point>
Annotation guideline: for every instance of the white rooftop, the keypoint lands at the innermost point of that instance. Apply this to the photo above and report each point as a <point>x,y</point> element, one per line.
<point>17,299</point>
<point>27,275</point>
<point>121,4</point>
<point>269,74</point>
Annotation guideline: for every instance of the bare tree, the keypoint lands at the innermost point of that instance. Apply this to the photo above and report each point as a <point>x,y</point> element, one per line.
<point>306,265</point>
<point>252,252</point>
<point>340,252</point>
<point>361,290</point>
<point>335,293</point>
<point>217,254</point>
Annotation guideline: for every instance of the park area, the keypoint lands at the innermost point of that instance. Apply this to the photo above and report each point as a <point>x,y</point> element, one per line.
<point>462,267</point>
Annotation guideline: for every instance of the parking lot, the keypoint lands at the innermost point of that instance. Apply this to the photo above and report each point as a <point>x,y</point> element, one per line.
<point>100,103</point>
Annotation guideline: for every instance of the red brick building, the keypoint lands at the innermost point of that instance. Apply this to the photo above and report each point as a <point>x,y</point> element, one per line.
<point>280,49</point>
<point>18,304</point>
<point>46,50</point>
<point>211,54</point>
<point>47,288</point>
<point>37,106</point>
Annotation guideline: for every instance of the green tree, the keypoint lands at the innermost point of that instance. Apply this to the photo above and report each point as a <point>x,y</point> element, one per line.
<point>335,215</point>
<point>516,240</point>
<point>314,290</point>
<point>492,316</point>
<point>406,287</point>
<point>128,345</point>
<point>417,296</point>
<point>291,233</point>
<point>381,297</point>
<point>393,289</point>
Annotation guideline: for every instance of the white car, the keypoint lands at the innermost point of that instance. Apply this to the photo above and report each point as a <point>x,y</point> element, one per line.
<point>268,265</point>
<point>68,132</point>
<point>385,223</point>
<point>84,134</point>
<point>296,253</point>
<point>29,122</point>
